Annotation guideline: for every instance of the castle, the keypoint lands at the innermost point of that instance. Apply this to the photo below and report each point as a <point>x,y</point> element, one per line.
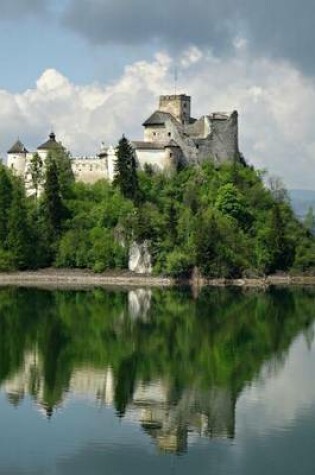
<point>172,137</point>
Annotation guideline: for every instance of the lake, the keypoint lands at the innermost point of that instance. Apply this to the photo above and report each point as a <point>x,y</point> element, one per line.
<point>157,381</point>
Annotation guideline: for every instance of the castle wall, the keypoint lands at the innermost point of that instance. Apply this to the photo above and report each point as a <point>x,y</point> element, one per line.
<point>218,139</point>
<point>111,163</point>
<point>17,162</point>
<point>157,159</point>
<point>42,154</point>
<point>156,133</point>
<point>174,156</point>
<point>223,140</point>
<point>89,170</point>
<point>201,128</point>
<point>186,144</point>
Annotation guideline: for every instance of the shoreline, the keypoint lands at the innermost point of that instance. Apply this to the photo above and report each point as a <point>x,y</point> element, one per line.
<point>65,278</point>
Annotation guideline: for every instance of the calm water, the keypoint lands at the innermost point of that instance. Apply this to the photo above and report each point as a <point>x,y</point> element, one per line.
<point>161,382</point>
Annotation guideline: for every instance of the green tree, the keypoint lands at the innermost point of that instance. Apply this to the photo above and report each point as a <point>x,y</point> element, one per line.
<point>126,170</point>
<point>208,238</point>
<point>230,202</point>
<point>179,263</point>
<point>309,220</point>
<point>5,203</point>
<point>275,251</point>
<point>19,233</point>
<point>62,159</point>
<point>54,210</point>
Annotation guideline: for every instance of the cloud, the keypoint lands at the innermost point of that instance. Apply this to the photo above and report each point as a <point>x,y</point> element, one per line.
<point>14,9</point>
<point>275,100</point>
<point>281,28</point>
<point>82,116</point>
<point>139,21</point>
<point>261,401</point>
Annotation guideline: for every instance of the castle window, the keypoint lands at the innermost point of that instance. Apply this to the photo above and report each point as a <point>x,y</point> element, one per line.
<point>171,154</point>
<point>169,134</point>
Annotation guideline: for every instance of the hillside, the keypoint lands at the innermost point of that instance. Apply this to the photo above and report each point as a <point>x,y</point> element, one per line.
<point>222,222</point>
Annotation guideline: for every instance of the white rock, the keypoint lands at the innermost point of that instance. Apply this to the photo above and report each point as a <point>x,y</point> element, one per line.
<point>140,260</point>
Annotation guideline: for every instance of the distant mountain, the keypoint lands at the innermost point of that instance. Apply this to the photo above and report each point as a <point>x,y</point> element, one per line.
<point>301,200</point>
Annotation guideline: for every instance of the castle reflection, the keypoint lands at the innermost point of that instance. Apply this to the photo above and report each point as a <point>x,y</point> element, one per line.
<point>169,362</point>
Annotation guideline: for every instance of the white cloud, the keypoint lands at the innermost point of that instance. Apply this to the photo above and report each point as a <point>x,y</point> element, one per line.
<point>275,101</point>
<point>191,56</point>
<point>274,402</point>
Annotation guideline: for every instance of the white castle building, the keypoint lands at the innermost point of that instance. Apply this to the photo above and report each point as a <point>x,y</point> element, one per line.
<point>87,170</point>
<point>171,137</point>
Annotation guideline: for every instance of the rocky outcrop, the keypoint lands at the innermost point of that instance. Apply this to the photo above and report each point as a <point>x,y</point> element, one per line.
<point>140,260</point>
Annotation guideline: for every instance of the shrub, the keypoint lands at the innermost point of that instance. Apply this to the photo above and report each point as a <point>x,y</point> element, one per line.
<point>6,261</point>
<point>179,264</point>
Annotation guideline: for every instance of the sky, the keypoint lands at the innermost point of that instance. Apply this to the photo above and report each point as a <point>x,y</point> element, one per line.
<point>92,70</point>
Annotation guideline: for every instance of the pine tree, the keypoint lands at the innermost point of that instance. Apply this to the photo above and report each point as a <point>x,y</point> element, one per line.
<point>19,233</point>
<point>64,170</point>
<point>126,170</point>
<point>54,210</point>
<point>5,203</point>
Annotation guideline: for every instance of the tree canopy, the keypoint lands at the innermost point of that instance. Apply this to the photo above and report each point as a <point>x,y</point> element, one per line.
<point>222,220</point>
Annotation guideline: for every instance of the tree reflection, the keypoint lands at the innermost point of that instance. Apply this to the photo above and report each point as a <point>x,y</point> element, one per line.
<point>178,363</point>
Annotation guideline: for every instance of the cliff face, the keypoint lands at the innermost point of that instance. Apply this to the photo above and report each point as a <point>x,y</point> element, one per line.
<point>140,260</point>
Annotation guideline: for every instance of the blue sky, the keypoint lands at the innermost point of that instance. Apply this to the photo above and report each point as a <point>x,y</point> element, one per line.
<point>34,44</point>
<point>93,69</point>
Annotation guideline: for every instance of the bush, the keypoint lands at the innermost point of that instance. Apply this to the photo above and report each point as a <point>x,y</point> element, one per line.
<point>6,261</point>
<point>73,249</point>
<point>179,264</point>
<point>105,252</point>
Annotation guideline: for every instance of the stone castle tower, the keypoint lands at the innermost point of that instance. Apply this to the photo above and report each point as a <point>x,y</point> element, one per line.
<point>173,136</point>
<point>178,106</point>
<point>17,156</point>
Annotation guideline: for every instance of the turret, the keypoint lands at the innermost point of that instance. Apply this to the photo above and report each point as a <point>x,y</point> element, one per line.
<point>16,159</point>
<point>50,145</point>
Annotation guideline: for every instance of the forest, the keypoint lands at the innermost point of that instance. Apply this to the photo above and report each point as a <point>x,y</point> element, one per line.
<point>223,221</point>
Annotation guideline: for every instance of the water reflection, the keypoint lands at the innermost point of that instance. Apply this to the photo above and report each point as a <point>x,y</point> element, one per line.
<point>173,363</point>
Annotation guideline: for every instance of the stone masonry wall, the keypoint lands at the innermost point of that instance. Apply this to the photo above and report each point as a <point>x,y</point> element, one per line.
<point>178,106</point>
<point>220,145</point>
